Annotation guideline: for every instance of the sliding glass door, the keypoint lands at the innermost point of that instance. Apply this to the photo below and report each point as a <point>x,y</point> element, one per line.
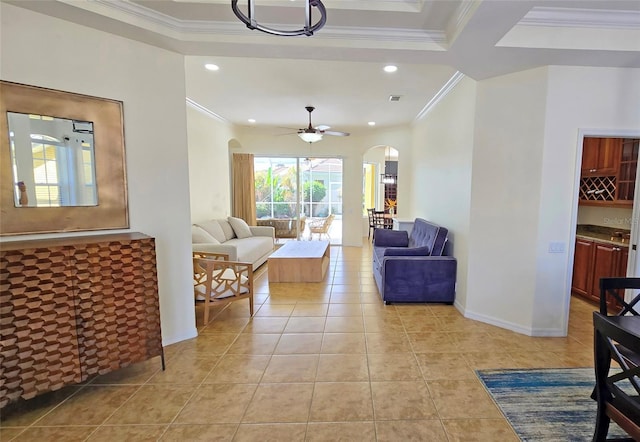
<point>321,180</point>
<point>300,189</point>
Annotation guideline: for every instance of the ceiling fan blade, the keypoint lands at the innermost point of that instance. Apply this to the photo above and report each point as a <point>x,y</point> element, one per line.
<point>323,127</point>
<point>332,132</point>
<point>288,133</point>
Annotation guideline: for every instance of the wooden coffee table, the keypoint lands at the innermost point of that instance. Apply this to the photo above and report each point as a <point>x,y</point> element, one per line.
<point>299,261</point>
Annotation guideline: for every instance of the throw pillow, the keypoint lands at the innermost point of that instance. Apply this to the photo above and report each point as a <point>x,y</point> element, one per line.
<point>213,228</point>
<point>240,227</point>
<point>407,251</point>
<point>225,225</point>
<point>391,238</point>
<point>199,235</point>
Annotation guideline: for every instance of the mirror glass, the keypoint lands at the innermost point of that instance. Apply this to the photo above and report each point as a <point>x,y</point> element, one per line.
<point>53,161</point>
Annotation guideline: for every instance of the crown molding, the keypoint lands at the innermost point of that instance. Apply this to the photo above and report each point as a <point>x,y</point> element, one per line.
<point>582,18</point>
<point>464,12</point>
<point>448,86</point>
<point>370,5</point>
<point>206,111</point>
<point>459,20</point>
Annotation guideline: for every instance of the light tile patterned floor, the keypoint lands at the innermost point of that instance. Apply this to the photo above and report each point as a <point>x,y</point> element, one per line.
<point>318,362</point>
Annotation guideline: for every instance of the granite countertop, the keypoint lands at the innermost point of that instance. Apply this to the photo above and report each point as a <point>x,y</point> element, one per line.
<point>608,235</point>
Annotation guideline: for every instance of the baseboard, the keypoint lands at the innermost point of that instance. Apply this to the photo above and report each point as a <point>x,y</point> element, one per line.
<point>528,331</point>
<point>189,334</point>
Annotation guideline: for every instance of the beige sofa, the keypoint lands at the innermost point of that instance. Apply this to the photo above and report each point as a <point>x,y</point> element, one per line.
<point>233,237</point>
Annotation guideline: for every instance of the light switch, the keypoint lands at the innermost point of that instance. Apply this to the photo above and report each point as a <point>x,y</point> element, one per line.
<point>557,247</point>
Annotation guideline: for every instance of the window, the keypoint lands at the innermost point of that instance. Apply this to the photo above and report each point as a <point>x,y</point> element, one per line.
<point>276,185</point>
<point>52,160</point>
<point>45,156</point>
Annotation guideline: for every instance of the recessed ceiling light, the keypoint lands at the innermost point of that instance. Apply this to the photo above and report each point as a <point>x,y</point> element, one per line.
<point>371,123</point>
<point>251,120</point>
<point>390,68</point>
<point>211,67</point>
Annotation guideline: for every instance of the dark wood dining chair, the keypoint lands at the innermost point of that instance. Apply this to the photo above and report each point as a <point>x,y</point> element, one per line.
<point>617,390</point>
<point>381,221</point>
<point>372,223</point>
<point>612,296</point>
<point>613,403</point>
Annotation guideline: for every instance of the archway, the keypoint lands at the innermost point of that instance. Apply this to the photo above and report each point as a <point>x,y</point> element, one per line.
<point>379,180</point>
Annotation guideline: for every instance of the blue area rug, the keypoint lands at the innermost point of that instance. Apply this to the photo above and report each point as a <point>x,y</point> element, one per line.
<point>546,404</point>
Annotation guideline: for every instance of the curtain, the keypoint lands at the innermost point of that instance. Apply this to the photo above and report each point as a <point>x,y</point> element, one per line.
<point>244,199</point>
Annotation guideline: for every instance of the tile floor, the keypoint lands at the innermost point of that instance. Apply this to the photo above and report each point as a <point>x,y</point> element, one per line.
<point>318,362</point>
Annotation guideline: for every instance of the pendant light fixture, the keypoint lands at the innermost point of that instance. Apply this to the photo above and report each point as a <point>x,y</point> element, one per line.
<point>308,28</point>
<point>387,178</point>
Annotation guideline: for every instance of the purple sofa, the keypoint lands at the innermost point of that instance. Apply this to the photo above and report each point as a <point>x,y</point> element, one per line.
<point>414,268</point>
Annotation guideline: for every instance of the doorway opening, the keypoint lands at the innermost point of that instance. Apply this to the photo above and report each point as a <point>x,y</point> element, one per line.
<point>379,182</point>
<point>605,232</point>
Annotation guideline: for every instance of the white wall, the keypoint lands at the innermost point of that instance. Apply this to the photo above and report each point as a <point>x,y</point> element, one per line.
<point>614,217</point>
<point>442,170</point>
<point>48,52</point>
<point>209,173</point>
<point>507,157</point>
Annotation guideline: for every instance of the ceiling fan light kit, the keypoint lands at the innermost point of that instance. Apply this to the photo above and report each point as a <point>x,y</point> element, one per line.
<point>310,137</point>
<point>312,134</point>
<point>309,28</point>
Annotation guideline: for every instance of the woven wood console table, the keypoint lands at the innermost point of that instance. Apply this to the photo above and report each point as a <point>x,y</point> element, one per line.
<point>299,261</point>
<point>74,308</point>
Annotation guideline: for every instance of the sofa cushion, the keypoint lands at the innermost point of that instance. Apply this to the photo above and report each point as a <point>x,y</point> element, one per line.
<point>390,238</point>
<point>199,235</point>
<point>407,251</point>
<point>227,229</point>
<point>213,228</point>
<point>240,227</point>
<point>251,249</point>
<point>428,234</point>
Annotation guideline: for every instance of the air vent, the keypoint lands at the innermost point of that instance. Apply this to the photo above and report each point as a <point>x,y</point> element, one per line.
<point>394,97</point>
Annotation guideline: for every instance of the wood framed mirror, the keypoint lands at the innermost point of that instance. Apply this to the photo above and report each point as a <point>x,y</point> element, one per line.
<point>62,162</point>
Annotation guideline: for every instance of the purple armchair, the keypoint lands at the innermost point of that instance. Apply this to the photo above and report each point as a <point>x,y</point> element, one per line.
<point>414,268</point>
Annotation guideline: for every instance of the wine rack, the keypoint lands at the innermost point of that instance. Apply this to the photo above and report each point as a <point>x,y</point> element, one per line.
<point>598,188</point>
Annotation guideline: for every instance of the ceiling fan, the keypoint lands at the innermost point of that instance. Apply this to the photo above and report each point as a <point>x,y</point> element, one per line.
<point>312,134</point>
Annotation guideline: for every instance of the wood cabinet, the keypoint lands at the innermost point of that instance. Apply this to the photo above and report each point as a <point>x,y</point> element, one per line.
<point>601,156</point>
<point>594,260</point>
<point>74,308</point>
<point>627,170</point>
<point>608,172</point>
<point>582,265</point>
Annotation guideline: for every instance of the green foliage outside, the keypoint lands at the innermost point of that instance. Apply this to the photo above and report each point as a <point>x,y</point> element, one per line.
<point>314,192</point>
<point>282,188</point>
<point>276,195</point>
